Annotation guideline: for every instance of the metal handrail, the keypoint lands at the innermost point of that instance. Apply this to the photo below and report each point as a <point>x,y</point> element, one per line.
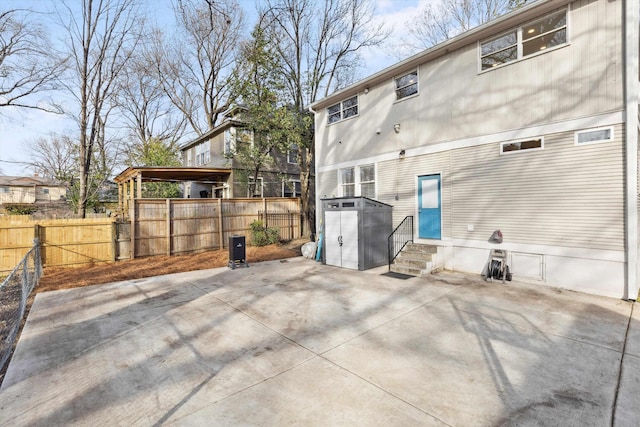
<point>399,238</point>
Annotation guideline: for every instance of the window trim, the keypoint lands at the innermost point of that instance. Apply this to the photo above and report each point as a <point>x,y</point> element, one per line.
<point>520,40</point>
<point>342,109</point>
<point>294,160</point>
<point>417,83</point>
<point>577,133</point>
<point>357,183</point>
<point>521,150</point>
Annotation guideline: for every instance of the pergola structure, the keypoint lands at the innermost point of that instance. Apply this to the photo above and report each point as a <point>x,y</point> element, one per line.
<point>130,180</point>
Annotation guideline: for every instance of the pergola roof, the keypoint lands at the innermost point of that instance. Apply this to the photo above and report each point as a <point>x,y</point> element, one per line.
<point>171,174</point>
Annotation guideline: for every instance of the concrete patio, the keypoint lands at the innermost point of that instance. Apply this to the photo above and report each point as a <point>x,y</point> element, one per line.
<point>294,342</point>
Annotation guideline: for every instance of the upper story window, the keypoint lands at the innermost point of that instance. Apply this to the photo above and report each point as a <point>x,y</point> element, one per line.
<point>5,190</point>
<point>407,85</point>
<point>529,39</point>
<point>515,146</point>
<point>203,153</point>
<point>292,154</point>
<point>343,110</point>
<point>593,136</point>
<point>229,141</point>
<point>189,158</point>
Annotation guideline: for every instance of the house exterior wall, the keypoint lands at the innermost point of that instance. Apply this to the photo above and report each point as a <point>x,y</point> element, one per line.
<point>18,195</point>
<point>455,101</point>
<point>561,208</point>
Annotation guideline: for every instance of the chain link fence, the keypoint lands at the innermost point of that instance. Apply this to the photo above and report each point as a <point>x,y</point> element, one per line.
<point>14,292</point>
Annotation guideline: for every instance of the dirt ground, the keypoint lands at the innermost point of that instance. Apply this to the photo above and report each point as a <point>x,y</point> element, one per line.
<point>66,278</point>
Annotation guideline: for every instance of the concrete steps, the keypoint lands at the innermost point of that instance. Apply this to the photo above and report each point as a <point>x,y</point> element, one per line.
<point>415,260</point>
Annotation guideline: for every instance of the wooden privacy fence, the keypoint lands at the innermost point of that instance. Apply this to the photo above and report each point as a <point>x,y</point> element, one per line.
<point>175,226</point>
<point>154,227</point>
<point>63,241</point>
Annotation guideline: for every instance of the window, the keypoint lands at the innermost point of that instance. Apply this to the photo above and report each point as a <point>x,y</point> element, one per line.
<point>360,181</point>
<point>343,110</point>
<point>45,191</point>
<point>229,141</point>
<point>291,188</point>
<point>189,157</point>
<point>348,182</point>
<point>368,181</point>
<point>259,188</point>
<point>515,146</point>
<point>5,190</point>
<point>593,136</point>
<point>292,154</point>
<point>203,154</point>
<point>407,85</point>
<point>530,39</point>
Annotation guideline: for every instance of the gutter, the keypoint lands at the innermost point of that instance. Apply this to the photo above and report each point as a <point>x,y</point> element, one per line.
<point>631,98</point>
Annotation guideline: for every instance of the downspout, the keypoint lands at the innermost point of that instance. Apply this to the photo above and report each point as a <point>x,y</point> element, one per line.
<point>318,214</point>
<point>631,99</point>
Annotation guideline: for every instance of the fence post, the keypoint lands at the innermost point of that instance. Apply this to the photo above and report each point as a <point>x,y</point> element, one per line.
<point>266,214</point>
<point>132,229</point>
<point>37,231</point>
<point>220,230</point>
<point>290,218</point>
<point>168,225</point>
<point>114,242</point>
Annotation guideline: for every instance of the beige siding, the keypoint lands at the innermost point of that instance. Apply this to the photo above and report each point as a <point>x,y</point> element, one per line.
<point>564,195</point>
<point>455,102</point>
<point>327,184</point>
<point>399,178</point>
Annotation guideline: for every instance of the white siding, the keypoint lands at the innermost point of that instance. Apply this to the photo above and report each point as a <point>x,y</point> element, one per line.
<point>399,177</point>
<point>578,80</point>
<point>564,195</point>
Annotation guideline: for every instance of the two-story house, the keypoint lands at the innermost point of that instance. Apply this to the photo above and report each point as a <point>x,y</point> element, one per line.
<point>527,124</point>
<point>279,177</point>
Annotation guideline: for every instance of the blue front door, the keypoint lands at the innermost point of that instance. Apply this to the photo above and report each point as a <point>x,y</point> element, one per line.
<point>429,207</point>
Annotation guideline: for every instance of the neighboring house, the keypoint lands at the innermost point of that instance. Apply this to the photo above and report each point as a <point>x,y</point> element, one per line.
<point>30,189</point>
<point>214,149</point>
<point>527,124</point>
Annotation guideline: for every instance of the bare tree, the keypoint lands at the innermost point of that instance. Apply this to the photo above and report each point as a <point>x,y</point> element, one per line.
<point>29,67</point>
<point>197,64</point>
<point>437,22</point>
<point>101,40</point>
<point>146,109</point>
<point>318,44</point>
<point>54,157</point>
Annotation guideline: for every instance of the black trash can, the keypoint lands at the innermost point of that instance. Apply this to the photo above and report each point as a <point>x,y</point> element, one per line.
<point>237,252</point>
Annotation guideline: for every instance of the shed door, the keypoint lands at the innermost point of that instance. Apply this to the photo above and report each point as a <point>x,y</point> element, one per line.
<point>429,207</point>
<point>341,239</point>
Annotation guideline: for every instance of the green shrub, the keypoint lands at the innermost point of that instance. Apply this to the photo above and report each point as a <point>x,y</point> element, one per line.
<point>263,236</point>
<point>20,209</point>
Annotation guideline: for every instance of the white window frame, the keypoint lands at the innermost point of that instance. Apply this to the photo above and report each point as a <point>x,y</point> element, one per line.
<point>229,141</point>
<point>260,183</point>
<point>357,183</point>
<point>361,183</point>
<point>520,41</point>
<point>522,150</point>
<point>292,184</point>
<point>340,112</point>
<point>292,154</point>
<point>203,153</point>
<point>576,136</point>
<point>190,157</point>
<point>417,83</point>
